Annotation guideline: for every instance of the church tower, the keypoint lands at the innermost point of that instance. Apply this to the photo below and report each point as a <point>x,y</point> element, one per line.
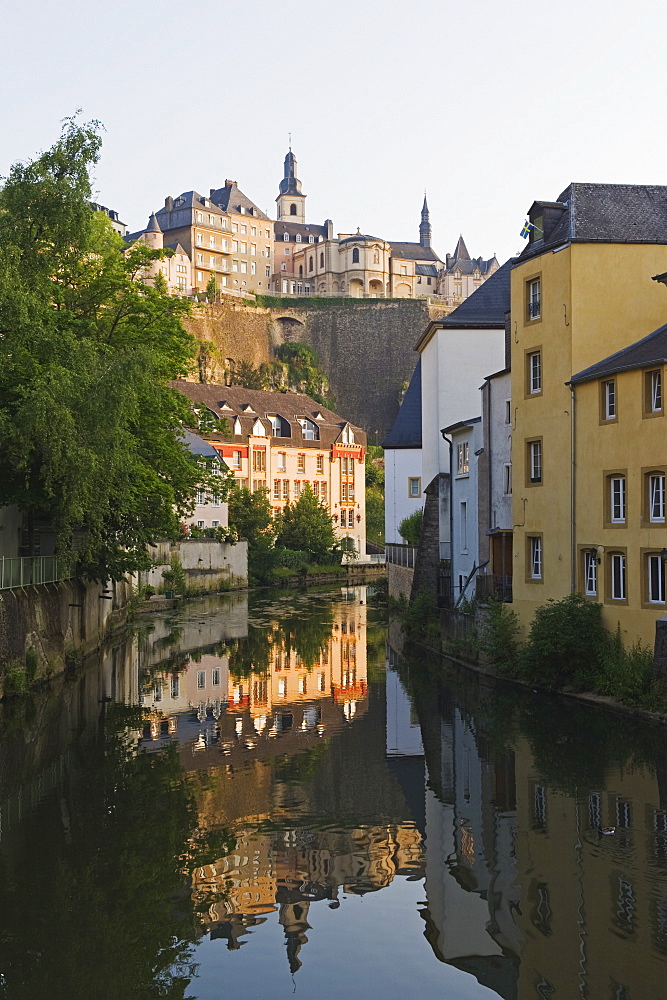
<point>291,202</point>
<point>425,226</point>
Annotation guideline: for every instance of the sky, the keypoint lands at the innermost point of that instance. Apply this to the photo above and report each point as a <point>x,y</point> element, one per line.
<point>486,106</point>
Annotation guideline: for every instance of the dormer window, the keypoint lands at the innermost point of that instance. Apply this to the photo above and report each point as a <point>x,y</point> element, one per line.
<point>347,436</point>
<point>311,239</point>
<point>258,429</point>
<point>279,426</point>
<point>310,430</point>
<point>298,237</point>
<point>237,427</point>
<point>247,408</point>
<point>285,237</point>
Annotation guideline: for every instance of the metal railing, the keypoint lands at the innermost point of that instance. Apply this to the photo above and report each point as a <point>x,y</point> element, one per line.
<point>29,571</point>
<point>401,555</point>
<point>494,585</point>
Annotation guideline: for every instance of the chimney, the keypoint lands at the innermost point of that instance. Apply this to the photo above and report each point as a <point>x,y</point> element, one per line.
<point>229,183</point>
<point>169,203</point>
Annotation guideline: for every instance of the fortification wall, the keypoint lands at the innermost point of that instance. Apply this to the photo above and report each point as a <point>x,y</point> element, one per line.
<point>366,346</point>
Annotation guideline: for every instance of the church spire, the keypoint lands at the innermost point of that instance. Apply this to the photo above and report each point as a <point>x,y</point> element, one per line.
<point>425,225</point>
<point>291,199</point>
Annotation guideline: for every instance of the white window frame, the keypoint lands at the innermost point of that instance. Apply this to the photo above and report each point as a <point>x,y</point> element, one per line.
<point>656,392</point>
<point>536,567</point>
<point>610,399</point>
<point>617,500</point>
<point>656,497</point>
<point>507,481</point>
<point>535,363</point>
<point>618,576</point>
<point>535,454</point>
<point>535,299</point>
<point>463,459</point>
<point>590,573</point>
<point>655,575</point>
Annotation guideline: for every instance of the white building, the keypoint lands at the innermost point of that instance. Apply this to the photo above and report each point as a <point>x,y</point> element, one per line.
<point>495,485</point>
<point>211,510</point>
<point>403,462</point>
<point>456,354</point>
<point>466,437</point>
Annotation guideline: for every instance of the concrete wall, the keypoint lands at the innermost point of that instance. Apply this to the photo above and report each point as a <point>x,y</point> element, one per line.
<point>208,565</point>
<point>365,347</point>
<point>55,620</point>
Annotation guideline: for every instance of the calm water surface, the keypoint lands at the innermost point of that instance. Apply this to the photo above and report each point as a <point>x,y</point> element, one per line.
<point>262,800</point>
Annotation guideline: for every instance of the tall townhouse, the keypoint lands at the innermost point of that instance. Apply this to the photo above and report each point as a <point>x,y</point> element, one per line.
<point>280,441</point>
<point>582,291</point>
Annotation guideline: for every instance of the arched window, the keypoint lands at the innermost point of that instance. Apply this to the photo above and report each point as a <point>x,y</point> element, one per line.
<point>355,255</point>
<point>310,264</point>
<point>292,210</point>
<point>321,260</point>
<point>301,270</point>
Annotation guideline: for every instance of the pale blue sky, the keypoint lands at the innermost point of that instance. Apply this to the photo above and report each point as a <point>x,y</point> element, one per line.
<point>488,106</point>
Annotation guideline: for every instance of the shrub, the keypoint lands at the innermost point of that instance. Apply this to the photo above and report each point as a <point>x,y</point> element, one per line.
<point>410,528</point>
<point>566,643</point>
<point>499,636</point>
<point>174,577</point>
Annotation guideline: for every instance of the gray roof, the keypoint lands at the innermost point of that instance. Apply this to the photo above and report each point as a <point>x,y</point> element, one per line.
<point>487,305</point>
<point>460,425</point>
<point>231,199</point>
<point>429,269</point>
<point>412,251</point>
<point>602,213</point>
<point>644,353</point>
<point>362,236</point>
<point>153,224</point>
<point>302,228</point>
<point>406,430</point>
<point>197,446</point>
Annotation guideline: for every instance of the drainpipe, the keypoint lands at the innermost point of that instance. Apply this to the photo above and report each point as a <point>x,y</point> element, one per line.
<point>573,472</point>
<point>451,511</point>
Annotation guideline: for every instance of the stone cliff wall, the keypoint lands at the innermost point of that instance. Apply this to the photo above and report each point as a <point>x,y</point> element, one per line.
<point>366,346</point>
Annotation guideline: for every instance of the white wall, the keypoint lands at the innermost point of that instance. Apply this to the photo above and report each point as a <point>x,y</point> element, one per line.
<point>400,465</point>
<point>500,435</point>
<point>454,365</point>
<point>465,552</point>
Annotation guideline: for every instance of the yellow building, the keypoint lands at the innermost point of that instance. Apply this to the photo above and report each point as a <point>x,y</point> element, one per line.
<point>281,441</point>
<point>581,289</point>
<point>619,508</point>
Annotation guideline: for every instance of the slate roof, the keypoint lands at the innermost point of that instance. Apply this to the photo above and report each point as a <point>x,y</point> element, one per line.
<point>231,199</point>
<point>460,425</point>
<point>197,446</point>
<point>406,430</point>
<point>302,228</point>
<point>461,250</point>
<point>361,236</point>
<point>487,305</point>
<point>603,213</point>
<point>412,251</point>
<point>289,405</point>
<point>644,353</point>
<point>153,224</point>
<point>429,269</point>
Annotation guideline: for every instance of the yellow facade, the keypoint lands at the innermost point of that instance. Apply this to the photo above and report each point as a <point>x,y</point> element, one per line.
<point>594,299</point>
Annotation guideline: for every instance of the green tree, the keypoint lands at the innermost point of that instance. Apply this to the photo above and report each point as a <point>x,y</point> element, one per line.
<point>410,527</point>
<point>303,372</point>
<point>306,525</point>
<point>89,424</point>
<point>248,376</point>
<point>212,289</point>
<point>250,514</point>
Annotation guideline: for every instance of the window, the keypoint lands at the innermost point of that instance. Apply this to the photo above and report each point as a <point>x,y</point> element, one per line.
<point>653,393</point>
<point>258,484</point>
<point>321,260</point>
<point>507,479</point>
<point>200,258</point>
<point>320,465</point>
<point>462,459</point>
<point>253,267</point>
<point>286,490</point>
<point>201,679</point>
<point>323,492</point>
<point>287,251</point>
<point>617,499</point>
<point>533,299</point>
<point>655,575</point>
<point>297,238</point>
<point>535,372</point>
<point>311,239</point>
<point>286,237</point>
<point>608,399</point>
<point>201,498</point>
<point>535,461</point>
<point>277,491</point>
<point>282,687</point>
<point>355,255</point>
<point>617,574</point>
<point>508,411</point>
<point>292,210</point>
<point>244,267</point>
<point>297,489</point>
<point>311,431</point>
<point>281,461</point>
<point>464,526</point>
<point>301,464</point>
<point>253,249</point>
<point>235,246</point>
<point>535,557</point>
<point>540,806</point>
<point>302,684</point>
<point>259,461</point>
<point>590,572</point>
<point>244,230</point>
<point>655,482</point>
<point>175,686</point>
<point>215,677</point>
<point>414,487</point>
<point>235,227</point>
<point>244,247</point>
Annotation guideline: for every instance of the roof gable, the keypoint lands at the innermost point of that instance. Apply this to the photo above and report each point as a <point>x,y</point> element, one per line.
<point>406,430</point>
<point>650,350</point>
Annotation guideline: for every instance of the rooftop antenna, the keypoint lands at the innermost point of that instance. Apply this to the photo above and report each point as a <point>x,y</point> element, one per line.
<point>290,141</point>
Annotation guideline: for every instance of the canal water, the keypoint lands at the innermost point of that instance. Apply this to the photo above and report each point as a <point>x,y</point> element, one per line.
<point>260,798</point>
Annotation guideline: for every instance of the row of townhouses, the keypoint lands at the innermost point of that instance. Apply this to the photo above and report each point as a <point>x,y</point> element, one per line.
<point>532,431</point>
<point>224,244</point>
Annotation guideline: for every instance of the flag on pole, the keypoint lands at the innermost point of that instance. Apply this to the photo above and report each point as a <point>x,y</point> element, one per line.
<point>527,230</point>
